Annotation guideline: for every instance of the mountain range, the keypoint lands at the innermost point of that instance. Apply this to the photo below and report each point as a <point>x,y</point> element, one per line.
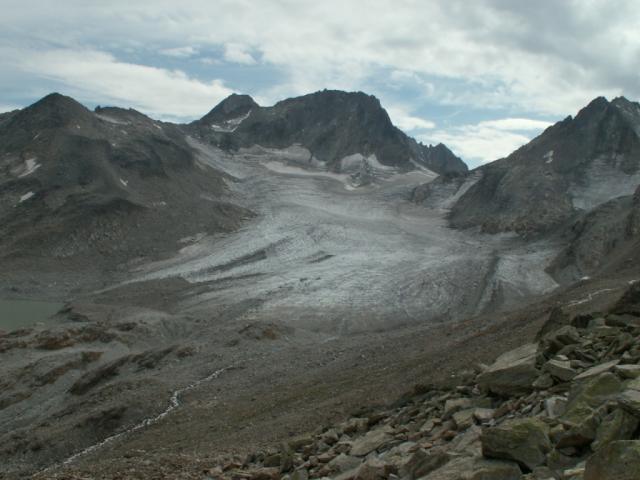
<point>246,277</point>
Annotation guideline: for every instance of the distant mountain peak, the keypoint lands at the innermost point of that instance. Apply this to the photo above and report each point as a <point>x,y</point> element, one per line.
<point>235,105</point>
<point>331,124</point>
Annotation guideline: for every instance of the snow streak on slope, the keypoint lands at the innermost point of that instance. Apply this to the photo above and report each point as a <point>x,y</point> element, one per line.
<point>323,257</point>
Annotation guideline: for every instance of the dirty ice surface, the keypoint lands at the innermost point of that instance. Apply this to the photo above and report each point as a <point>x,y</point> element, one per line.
<point>323,257</point>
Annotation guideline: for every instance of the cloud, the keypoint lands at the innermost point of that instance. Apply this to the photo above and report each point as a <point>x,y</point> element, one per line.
<point>8,108</point>
<point>236,53</point>
<point>488,140</point>
<point>180,52</point>
<point>407,122</point>
<point>159,92</point>
<point>517,58</point>
<point>515,124</point>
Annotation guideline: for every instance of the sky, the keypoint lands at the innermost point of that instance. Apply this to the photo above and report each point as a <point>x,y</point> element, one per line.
<point>482,76</point>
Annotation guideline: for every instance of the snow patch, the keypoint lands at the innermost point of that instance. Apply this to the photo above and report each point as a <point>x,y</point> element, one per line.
<point>30,166</point>
<point>26,197</point>
<point>124,182</point>
<point>230,125</point>
<point>109,119</point>
<point>548,156</point>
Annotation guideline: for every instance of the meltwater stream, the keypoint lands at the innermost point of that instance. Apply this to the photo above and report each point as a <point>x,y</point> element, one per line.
<point>174,402</point>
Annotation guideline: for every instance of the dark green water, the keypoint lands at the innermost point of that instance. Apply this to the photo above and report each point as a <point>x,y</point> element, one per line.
<point>15,314</point>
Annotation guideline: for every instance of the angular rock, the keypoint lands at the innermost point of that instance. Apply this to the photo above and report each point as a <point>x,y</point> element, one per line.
<point>370,441</point>
<point>512,373</point>
<point>453,405</point>
<point>374,469</point>
<point>555,406</point>
<point>618,425</point>
<point>616,461</point>
<point>344,463</point>
<point>560,369</point>
<point>469,468</point>
<point>464,418</point>
<point>265,474</point>
<point>483,415</point>
<point>628,371</point>
<point>525,441</point>
<point>422,463</point>
<point>597,370</point>
<point>629,400</point>
<point>587,396</point>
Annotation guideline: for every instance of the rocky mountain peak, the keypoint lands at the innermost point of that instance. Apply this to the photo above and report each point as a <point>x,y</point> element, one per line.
<point>331,124</point>
<point>56,110</point>
<point>233,106</point>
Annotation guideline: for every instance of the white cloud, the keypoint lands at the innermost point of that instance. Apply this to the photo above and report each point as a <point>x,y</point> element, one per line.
<point>7,108</point>
<point>180,52</point>
<point>546,57</point>
<point>237,53</point>
<point>89,74</point>
<point>407,122</point>
<point>515,124</point>
<point>488,140</point>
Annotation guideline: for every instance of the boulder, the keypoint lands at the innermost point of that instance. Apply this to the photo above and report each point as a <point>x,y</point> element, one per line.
<point>464,418</point>
<point>422,463</point>
<point>597,370</point>
<point>512,373</point>
<point>560,369</point>
<point>555,406</point>
<point>453,405</point>
<point>628,371</point>
<point>470,468</point>
<point>344,463</point>
<point>618,425</point>
<point>371,441</point>
<point>374,469</point>
<point>525,441</point>
<point>629,400</point>
<point>587,396</point>
<point>616,461</point>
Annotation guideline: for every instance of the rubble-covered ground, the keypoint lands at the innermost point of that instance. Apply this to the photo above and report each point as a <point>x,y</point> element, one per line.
<point>566,406</point>
<point>339,292</point>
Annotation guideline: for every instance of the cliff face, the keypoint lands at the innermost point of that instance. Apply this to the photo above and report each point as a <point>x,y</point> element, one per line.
<point>572,167</point>
<point>332,125</point>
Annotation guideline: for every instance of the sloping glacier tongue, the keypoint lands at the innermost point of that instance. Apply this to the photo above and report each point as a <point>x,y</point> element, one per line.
<point>323,257</point>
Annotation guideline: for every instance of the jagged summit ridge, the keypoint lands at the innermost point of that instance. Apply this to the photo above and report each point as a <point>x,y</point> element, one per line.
<point>573,166</point>
<point>331,124</point>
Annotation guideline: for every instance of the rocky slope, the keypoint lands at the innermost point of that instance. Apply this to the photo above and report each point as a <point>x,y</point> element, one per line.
<point>572,167</point>
<point>334,126</point>
<point>564,407</point>
<point>604,241</point>
<point>111,184</point>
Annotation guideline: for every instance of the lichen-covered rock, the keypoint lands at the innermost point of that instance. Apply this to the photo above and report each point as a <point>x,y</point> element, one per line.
<point>422,463</point>
<point>616,461</point>
<point>512,373</point>
<point>370,442</point>
<point>470,468</point>
<point>589,395</point>
<point>618,425</point>
<point>525,441</point>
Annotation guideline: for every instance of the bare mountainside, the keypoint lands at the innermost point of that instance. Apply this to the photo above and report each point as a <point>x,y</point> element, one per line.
<point>255,285</point>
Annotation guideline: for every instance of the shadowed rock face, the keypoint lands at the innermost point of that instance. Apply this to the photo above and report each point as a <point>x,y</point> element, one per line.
<point>111,182</point>
<point>573,166</point>
<point>604,240</point>
<point>331,124</point>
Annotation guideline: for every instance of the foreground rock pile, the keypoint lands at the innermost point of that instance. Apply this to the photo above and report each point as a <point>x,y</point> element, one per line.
<point>566,407</point>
